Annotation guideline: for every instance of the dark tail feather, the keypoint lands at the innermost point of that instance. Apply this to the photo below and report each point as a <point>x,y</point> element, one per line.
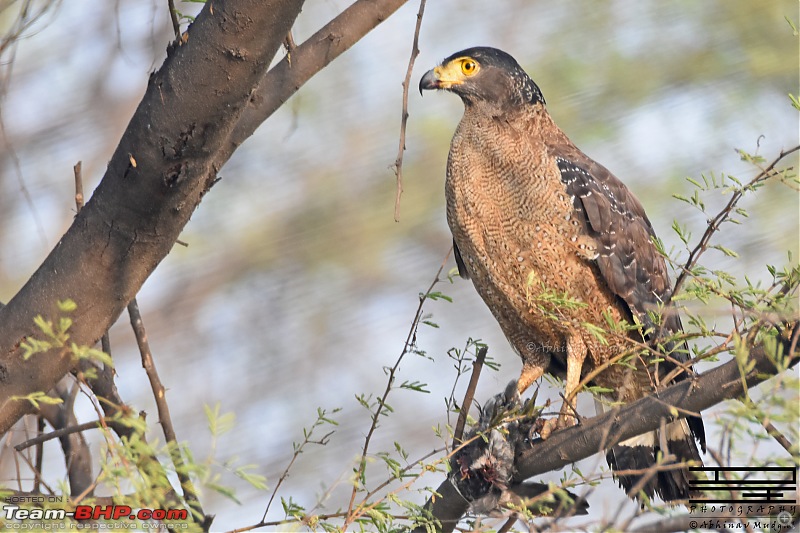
<point>640,453</point>
<point>698,430</point>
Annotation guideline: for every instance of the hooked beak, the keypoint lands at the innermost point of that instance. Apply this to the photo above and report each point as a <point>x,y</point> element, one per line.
<point>442,77</point>
<point>429,81</point>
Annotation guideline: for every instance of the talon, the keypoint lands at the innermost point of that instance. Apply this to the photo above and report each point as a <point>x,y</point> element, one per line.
<point>566,421</point>
<point>545,427</point>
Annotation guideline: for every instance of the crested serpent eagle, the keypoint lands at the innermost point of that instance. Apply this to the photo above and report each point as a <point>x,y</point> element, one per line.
<point>562,253</point>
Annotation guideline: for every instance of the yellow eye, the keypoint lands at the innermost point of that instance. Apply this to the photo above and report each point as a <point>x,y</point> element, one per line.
<point>469,67</point>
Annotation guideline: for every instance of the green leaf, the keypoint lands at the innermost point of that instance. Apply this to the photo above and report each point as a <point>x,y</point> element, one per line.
<point>45,326</point>
<point>219,424</point>
<point>596,331</point>
<point>791,25</point>
<point>92,354</point>
<point>682,198</point>
<point>256,480</point>
<point>694,182</point>
<point>598,389</point>
<point>415,386</point>
<point>38,398</point>
<point>437,296</point>
<point>364,400</point>
<point>67,306</point>
<point>724,250</point>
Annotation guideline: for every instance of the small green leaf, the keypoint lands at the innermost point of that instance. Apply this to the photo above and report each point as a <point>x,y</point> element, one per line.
<point>437,296</point>
<point>38,398</point>
<point>67,306</point>
<point>415,386</point>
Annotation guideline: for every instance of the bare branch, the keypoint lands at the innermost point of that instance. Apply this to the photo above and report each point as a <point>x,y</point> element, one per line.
<point>44,437</point>
<point>470,394</point>
<point>781,439</point>
<point>164,418</point>
<point>297,451</point>
<point>573,444</point>
<point>77,457</point>
<point>398,163</point>
<point>39,457</point>
<point>78,186</point>
<point>173,15</point>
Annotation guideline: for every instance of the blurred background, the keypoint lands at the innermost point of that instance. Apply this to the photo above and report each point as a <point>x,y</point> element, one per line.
<point>297,286</point>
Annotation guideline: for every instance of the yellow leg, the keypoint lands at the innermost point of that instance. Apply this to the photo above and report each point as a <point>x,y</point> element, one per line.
<point>576,353</point>
<point>529,375</point>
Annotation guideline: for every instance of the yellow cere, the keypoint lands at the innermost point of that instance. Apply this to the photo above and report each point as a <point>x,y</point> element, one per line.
<point>454,72</point>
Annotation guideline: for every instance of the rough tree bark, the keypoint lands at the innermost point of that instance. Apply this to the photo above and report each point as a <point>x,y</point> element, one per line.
<point>192,118</point>
<point>167,160</point>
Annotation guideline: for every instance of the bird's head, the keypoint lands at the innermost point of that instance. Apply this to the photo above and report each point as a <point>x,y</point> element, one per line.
<point>483,74</point>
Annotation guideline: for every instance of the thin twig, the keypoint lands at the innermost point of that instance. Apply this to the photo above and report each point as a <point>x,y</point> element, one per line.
<point>35,473</point>
<point>164,417</point>
<point>470,394</point>
<point>78,186</point>
<point>328,516</point>
<point>39,451</point>
<point>398,163</point>
<point>44,437</point>
<point>298,450</point>
<point>402,471</point>
<point>105,341</point>
<point>722,216</point>
<point>778,436</point>
<point>508,525</point>
<point>410,341</point>
<point>364,509</point>
<point>173,15</point>
<point>103,385</point>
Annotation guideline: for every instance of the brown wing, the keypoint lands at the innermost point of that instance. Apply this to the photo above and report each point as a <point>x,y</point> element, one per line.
<point>628,260</point>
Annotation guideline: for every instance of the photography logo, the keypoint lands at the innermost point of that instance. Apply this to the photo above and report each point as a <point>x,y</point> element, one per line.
<point>766,497</point>
<point>764,485</point>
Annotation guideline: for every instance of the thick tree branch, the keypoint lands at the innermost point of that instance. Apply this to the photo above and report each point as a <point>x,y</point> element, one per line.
<point>286,78</point>
<point>579,442</point>
<point>166,161</point>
